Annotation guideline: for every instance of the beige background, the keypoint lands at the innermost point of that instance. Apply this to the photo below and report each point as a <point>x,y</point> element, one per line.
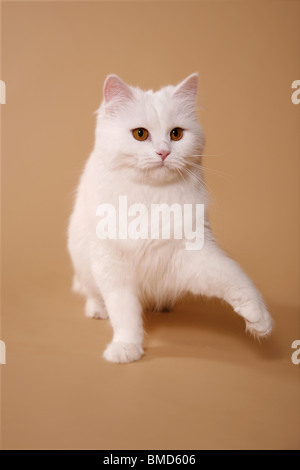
<point>203,383</point>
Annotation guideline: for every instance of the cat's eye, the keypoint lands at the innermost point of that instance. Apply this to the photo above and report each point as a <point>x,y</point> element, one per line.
<point>177,133</point>
<point>140,133</point>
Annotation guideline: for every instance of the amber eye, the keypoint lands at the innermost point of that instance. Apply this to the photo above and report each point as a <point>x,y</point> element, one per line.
<point>177,133</point>
<point>140,133</point>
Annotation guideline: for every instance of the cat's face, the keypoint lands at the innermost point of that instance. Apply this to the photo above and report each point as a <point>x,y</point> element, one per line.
<point>155,136</point>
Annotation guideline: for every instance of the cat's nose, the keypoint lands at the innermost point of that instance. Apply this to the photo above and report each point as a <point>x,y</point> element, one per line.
<point>163,154</point>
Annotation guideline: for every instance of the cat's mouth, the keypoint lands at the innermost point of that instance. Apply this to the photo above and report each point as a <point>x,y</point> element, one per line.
<point>160,173</point>
<point>161,168</point>
<point>160,165</point>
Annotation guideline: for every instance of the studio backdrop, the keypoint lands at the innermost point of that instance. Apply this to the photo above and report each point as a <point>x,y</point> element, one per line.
<point>203,383</point>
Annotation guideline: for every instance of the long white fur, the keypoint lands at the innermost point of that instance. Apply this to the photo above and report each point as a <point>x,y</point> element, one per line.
<point>120,278</point>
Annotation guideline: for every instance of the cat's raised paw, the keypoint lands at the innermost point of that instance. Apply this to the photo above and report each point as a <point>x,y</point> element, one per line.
<point>123,352</point>
<point>262,327</point>
<point>95,309</point>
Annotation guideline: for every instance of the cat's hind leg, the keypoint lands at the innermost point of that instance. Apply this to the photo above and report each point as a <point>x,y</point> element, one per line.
<point>77,287</point>
<point>94,305</point>
<point>95,308</point>
<point>165,308</point>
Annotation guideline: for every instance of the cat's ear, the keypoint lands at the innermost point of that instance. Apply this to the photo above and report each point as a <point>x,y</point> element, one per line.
<point>188,88</point>
<point>116,91</point>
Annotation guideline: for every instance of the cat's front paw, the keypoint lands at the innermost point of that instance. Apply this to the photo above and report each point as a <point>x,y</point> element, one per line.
<point>263,325</point>
<point>123,352</point>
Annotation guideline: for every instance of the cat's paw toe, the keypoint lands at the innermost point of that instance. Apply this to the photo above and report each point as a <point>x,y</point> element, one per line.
<point>123,352</point>
<point>262,327</point>
<point>95,309</point>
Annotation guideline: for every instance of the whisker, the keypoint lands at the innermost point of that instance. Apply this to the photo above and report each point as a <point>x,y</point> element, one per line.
<point>216,172</point>
<point>204,155</point>
<point>180,174</point>
<point>208,169</point>
<point>195,178</point>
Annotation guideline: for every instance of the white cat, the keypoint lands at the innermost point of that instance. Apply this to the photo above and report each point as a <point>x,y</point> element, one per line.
<point>148,147</point>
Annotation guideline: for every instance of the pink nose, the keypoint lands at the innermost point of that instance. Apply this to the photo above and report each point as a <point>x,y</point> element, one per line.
<point>163,154</point>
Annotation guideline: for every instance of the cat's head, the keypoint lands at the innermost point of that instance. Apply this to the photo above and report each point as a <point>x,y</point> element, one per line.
<point>153,135</point>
